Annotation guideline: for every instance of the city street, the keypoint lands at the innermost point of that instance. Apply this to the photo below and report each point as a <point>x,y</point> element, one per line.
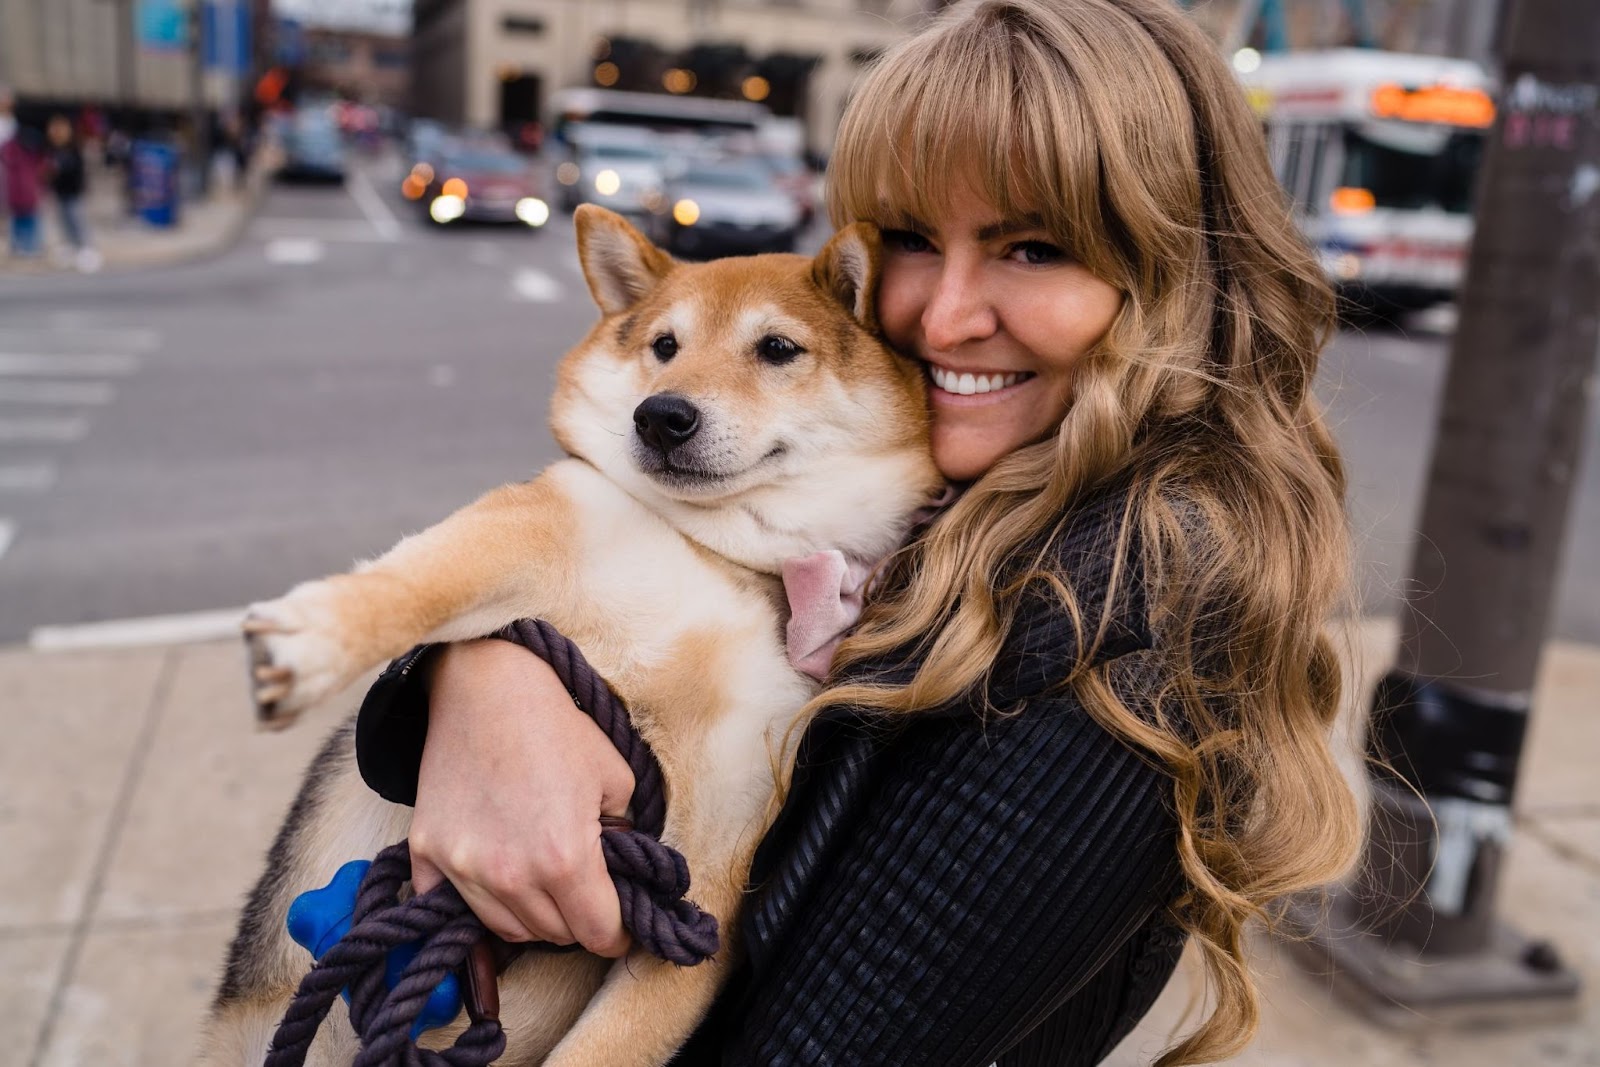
<point>189,439</point>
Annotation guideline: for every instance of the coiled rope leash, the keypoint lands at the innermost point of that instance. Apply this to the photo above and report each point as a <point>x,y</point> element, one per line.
<point>397,962</point>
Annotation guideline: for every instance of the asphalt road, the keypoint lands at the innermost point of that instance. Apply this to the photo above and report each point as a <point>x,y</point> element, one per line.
<point>196,438</point>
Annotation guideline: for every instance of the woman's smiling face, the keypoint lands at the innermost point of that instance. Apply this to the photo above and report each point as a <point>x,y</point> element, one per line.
<point>999,315</point>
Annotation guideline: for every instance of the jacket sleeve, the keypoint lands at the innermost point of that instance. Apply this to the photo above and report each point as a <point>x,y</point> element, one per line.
<point>992,872</point>
<point>392,726</point>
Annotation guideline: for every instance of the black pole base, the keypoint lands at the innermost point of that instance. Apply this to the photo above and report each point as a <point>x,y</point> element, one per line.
<point>1513,981</point>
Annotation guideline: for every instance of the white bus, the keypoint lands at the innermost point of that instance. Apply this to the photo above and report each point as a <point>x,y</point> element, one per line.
<point>1379,153</point>
<point>657,111</point>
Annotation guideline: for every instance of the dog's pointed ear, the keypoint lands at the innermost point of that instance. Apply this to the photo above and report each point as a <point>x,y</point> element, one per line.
<point>847,269</point>
<point>619,263</point>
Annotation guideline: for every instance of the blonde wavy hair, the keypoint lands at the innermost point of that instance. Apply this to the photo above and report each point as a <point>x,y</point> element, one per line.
<point>1118,123</point>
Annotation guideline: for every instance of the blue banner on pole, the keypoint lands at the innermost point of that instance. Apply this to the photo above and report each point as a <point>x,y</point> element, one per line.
<point>163,25</point>
<point>226,34</point>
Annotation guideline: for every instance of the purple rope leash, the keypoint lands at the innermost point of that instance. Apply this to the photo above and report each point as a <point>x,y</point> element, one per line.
<point>651,880</point>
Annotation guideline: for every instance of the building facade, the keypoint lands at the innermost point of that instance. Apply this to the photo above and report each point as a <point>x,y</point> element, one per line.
<point>495,63</point>
<point>134,55</point>
<point>372,68</point>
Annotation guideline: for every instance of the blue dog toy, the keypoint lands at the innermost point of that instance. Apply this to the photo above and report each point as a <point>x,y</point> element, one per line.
<point>319,919</point>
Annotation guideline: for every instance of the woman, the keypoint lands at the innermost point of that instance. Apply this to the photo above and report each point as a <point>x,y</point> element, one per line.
<point>1087,711</point>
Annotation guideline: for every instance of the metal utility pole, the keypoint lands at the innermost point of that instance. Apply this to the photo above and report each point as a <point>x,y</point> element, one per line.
<point>1417,937</point>
<point>199,113</point>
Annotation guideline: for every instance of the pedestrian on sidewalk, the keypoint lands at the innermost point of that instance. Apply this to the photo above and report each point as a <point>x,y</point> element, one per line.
<point>8,130</point>
<point>23,166</point>
<point>68,182</point>
<point>1086,713</point>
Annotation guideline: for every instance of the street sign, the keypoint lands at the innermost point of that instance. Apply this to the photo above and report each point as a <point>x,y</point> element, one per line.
<point>162,25</point>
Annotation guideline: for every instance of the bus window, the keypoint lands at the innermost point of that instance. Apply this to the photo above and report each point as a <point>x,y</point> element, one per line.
<point>1313,186</point>
<point>1289,176</point>
<point>1414,173</point>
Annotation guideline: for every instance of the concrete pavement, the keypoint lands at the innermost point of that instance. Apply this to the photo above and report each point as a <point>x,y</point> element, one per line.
<point>136,803</point>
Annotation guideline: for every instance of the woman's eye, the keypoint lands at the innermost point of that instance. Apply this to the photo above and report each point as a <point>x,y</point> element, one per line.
<point>665,347</point>
<point>906,241</point>
<point>1038,253</point>
<point>775,349</point>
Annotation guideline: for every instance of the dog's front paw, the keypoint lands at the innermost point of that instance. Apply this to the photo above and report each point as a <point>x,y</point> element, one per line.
<point>297,658</point>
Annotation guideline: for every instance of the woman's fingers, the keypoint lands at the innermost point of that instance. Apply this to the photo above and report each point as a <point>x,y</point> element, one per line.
<point>589,906</point>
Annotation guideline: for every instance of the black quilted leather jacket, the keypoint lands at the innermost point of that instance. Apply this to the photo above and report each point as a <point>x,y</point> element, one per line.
<point>950,890</point>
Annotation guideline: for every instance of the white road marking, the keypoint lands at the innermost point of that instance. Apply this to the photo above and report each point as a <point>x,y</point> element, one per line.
<point>536,286</point>
<point>372,206</point>
<point>8,534</point>
<point>130,633</point>
<point>67,364</point>
<point>56,431</point>
<point>15,392</point>
<point>346,230</point>
<point>27,477</point>
<point>132,340</point>
<point>295,251</point>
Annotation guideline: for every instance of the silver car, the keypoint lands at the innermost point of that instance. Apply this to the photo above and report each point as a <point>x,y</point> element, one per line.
<point>726,208</point>
<point>623,174</point>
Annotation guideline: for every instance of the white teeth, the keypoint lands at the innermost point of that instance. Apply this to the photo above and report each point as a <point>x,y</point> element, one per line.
<point>969,384</point>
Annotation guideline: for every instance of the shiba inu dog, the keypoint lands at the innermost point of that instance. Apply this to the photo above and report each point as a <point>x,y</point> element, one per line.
<point>719,419</point>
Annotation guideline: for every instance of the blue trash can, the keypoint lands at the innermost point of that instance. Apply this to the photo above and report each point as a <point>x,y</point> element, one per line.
<point>153,182</point>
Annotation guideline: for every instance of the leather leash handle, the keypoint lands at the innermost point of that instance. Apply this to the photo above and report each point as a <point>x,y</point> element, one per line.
<point>490,956</point>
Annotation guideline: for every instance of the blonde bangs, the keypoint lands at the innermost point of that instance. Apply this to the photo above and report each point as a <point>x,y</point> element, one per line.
<point>997,105</point>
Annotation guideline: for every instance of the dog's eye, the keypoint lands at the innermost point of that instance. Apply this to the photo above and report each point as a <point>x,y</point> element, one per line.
<point>775,349</point>
<point>665,347</point>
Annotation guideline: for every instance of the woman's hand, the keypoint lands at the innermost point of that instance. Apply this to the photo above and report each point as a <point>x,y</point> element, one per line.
<point>513,782</point>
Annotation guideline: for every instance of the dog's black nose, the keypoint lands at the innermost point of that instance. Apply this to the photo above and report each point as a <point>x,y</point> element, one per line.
<point>665,421</point>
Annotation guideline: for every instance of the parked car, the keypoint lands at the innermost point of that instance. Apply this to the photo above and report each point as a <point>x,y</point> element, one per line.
<point>791,174</point>
<point>313,150</point>
<point>481,182</point>
<point>726,208</point>
<point>617,167</point>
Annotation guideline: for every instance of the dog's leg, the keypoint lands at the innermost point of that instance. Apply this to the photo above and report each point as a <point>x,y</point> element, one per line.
<point>508,555</point>
<point>647,1007</point>
<point>644,1012</point>
<point>335,819</point>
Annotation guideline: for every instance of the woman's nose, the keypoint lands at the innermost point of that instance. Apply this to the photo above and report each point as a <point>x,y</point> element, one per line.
<point>958,310</point>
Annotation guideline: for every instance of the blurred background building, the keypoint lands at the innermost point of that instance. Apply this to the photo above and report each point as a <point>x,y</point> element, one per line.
<point>132,56</point>
<point>497,62</point>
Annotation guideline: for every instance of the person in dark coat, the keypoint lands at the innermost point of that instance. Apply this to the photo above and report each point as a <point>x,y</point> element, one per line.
<point>1086,714</point>
<point>69,183</point>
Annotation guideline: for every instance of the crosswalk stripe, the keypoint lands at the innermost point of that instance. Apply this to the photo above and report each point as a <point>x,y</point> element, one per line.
<point>27,477</point>
<point>56,431</point>
<point>8,534</point>
<point>67,364</point>
<point>536,286</point>
<point>132,339</point>
<point>294,251</point>
<point>18,392</point>
<point>356,230</point>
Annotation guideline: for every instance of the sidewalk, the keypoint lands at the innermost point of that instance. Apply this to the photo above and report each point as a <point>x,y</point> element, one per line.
<point>137,800</point>
<point>205,227</point>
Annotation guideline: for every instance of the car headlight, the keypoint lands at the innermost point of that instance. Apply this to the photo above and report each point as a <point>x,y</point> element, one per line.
<point>533,211</point>
<point>686,212</point>
<point>447,208</point>
<point>607,182</point>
